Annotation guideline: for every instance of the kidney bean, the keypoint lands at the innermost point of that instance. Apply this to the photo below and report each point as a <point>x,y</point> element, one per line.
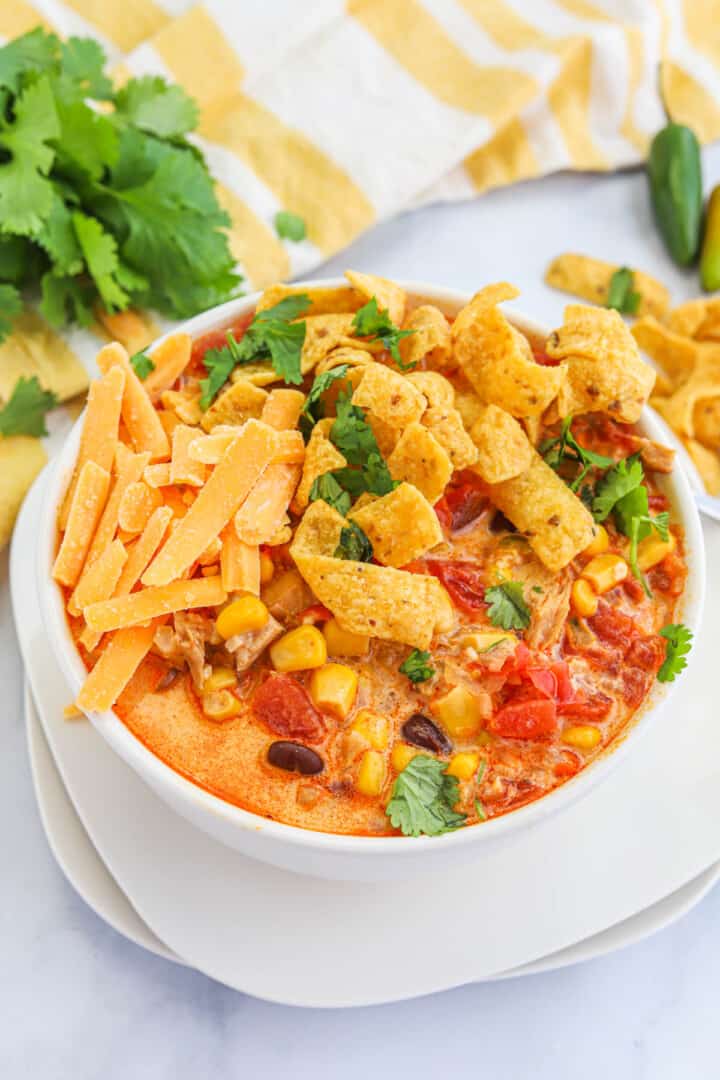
<point>294,757</point>
<point>421,731</point>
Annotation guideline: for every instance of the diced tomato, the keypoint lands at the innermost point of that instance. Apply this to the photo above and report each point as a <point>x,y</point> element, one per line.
<point>567,764</point>
<point>285,707</point>
<point>586,706</point>
<point>443,513</point>
<point>465,499</point>
<point>522,656</point>
<point>565,690</point>
<point>543,680</point>
<point>669,575</point>
<point>632,588</point>
<point>647,653</point>
<point>658,502</point>
<point>314,614</point>
<point>635,685</point>
<point>611,625</point>
<point>532,719</point>
<point>463,580</point>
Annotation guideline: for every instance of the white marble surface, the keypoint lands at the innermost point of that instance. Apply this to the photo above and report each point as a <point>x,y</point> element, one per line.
<point>77,1002</point>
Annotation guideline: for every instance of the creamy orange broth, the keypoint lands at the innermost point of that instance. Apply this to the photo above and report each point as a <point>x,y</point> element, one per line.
<point>609,660</point>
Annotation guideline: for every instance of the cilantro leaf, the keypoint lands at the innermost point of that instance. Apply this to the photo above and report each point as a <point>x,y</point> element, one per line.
<point>65,297</point>
<point>100,252</point>
<point>374,476</point>
<point>219,364</point>
<point>34,51</point>
<point>10,305</point>
<point>351,433</point>
<point>565,453</point>
<point>312,409</point>
<point>290,226</point>
<point>154,105</point>
<point>621,294</point>
<point>273,336</point>
<point>354,544</point>
<point>617,482</point>
<point>142,364</point>
<point>416,666</point>
<point>423,797</point>
<point>326,487</point>
<point>24,412</point>
<point>370,322</point>
<point>508,609</point>
<point>26,194</point>
<point>679,643</point>
<point>83,61</point>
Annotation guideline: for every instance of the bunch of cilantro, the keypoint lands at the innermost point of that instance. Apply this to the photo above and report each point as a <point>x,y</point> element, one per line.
<point>103,201</point>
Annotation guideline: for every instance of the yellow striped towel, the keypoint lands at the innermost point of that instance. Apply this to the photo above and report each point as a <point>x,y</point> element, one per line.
<point>348,112</point>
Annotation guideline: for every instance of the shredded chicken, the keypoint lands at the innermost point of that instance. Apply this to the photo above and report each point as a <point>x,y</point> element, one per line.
<point>245,648</point>
<point>184,643</point>
<point>287,595</point>
<point>548,597</point>
<point>654,456</point>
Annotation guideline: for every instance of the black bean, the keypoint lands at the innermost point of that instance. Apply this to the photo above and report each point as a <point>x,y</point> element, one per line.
<point>294,757</point>
<point>420,731</point>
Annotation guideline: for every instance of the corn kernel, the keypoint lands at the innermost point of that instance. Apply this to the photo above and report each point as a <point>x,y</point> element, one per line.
<point>459,712</point>
<point>652,550</point>
<point>222,678</point>
<point>220,705</point>
<point>240,616</point>
<point>267,568</point>
<point>481,641</point>
<point>584,598</point>
<point>344,642</point>
<point>299,649</point>
<point>463,765</point>
<point>600,543</point>
<point>374,728</point>
<point>333,688</point>
<point>371,774</point>
<point>582,736</point>
<point>401,756</point>
<point>604,572</point>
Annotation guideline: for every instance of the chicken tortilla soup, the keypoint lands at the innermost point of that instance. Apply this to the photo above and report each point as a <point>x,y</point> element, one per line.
<point>361,567</point>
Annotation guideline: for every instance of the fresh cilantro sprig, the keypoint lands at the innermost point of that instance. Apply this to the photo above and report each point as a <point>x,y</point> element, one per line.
<point>621,292</point>
<point>106,206</point>
<point>565,454</point>
<point>507,609</point>
<point>327,488</point>
<point>679,643</point>
<point>24,412</point>
<point>312,409</point>
<point>290,226</point>
<point>354,544</point>
<point>641,525</point>
<point>354,438</point>
<point>423,798</point>
<point>416,666</point>
<point>625,476</point>
<point>272,335</point>
<point>142,364</point>
<point>376,325</point>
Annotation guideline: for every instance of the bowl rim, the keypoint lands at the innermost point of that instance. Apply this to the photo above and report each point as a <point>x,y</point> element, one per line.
<point>162,776</point>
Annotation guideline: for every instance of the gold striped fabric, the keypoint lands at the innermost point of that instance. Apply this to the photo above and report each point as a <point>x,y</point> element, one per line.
<point>345,113</point>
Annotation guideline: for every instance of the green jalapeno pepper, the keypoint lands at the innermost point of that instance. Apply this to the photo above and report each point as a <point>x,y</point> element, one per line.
<point>710,255</point>
<point>675,175</point>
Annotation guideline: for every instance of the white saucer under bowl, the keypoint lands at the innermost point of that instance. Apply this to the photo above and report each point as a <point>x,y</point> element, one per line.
<point>647,832</point>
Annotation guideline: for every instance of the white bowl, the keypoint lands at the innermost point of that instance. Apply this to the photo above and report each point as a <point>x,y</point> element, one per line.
<point>325,854</point>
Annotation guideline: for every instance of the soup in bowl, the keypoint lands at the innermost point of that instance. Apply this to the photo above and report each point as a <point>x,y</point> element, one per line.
<point>359,574</point>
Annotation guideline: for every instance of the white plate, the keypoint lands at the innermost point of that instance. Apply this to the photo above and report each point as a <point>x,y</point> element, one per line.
<point>649,830</point>
<point>86,871</point>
